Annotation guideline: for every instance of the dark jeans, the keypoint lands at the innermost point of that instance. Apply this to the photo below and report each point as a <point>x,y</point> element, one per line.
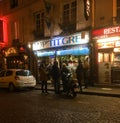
<point>44,86</point>
<point>65,85</point>
<point>80,83</point>
<point>86,81</point>
<point>57,86</point>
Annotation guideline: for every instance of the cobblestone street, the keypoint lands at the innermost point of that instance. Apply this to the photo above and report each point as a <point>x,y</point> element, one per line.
<point>34,107</point>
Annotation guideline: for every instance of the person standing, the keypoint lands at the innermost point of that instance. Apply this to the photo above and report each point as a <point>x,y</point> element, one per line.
<point>55,72</point>
<point>86,72</point>
<point>48,68</point>
<point>79,74</point>
<point>64,72</point>
<point>43,78</point>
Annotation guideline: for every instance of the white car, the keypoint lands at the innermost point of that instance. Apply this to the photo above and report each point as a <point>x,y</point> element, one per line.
<point>16,78</point>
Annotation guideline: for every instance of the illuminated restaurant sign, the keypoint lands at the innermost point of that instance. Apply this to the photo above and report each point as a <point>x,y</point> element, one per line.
<point>62,41</point>
<point>106,45</point>
<point>106,32</point>
<point>11,51</point>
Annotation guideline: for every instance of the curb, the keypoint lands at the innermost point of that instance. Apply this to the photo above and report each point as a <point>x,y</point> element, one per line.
<point>101,94</point>
<point>91,93</point>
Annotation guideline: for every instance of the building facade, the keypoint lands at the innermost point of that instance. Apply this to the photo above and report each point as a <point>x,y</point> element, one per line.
<point>106,38</point>
<point>18,22</point>
<point>35,22</point>
<point>65,30</point>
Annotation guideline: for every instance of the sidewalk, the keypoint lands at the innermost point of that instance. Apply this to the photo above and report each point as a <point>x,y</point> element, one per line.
<point>103,91</point>
<point>95,90</point>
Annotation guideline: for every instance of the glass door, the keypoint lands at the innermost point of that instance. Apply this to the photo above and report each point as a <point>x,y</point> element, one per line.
<point>104,67</point>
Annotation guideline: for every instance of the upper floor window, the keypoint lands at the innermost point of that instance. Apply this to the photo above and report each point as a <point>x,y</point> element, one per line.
<point>87,8</point>
<point>39,21</point>
<point>13,3</point>
<point>69,12</point>
<point>118,9</point>
<point>39,24</point>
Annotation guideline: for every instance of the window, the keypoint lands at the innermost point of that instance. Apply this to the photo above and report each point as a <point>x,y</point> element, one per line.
<point>23,73</point>
<point>118,10</point>
<point>2,73</point>
<point>39,21</point>
<point>9,73</point>
<point>87,9</point>
<point>69,12</point>
<point>13,3</point>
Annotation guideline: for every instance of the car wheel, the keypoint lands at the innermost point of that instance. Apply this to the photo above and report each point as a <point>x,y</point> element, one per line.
<point>11,87</point>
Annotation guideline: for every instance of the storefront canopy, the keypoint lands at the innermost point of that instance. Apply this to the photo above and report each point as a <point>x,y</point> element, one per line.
<point>64,51</point>
<point>78,51</point>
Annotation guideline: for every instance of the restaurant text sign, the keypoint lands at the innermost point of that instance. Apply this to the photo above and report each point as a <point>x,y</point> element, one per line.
<point>106,32</point>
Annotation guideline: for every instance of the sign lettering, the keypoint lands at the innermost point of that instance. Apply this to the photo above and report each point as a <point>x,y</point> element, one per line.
<point>61,41</point>
<point>106,32</point>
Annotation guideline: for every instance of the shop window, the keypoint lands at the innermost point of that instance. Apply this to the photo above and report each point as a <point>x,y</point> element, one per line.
<point>13,3</point>
<point>100,57</point>
<point>104,57</point>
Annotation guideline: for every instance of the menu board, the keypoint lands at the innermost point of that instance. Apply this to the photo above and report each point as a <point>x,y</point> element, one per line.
<point>102,45</point>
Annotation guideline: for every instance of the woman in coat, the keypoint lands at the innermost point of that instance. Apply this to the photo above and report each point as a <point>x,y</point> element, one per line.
<point>43,78</point>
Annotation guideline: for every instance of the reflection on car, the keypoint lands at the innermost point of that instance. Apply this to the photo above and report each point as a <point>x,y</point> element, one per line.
<point>16,79</point>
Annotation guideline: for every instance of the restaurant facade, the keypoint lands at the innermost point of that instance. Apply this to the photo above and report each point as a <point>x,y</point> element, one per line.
<point>107,54</point>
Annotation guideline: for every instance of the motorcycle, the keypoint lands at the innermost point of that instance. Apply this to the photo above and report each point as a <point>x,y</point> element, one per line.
<point>72,86</point>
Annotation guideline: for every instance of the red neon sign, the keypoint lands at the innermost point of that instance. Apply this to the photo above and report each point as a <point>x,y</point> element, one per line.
<point>111,31</point>
<point>3,35</point>
<point>1,31</point>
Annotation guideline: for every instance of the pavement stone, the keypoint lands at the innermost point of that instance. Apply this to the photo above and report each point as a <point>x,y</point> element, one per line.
<point>92,90</point>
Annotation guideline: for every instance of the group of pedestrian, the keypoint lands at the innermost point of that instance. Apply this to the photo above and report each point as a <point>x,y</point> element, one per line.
<point>82,73</point>
<point>51,72</point>
<point>54,73</point>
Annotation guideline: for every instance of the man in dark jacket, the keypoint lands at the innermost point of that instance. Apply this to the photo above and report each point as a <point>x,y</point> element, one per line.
<point>79,74</point>
<point>55,72</point>
<point>64,72</point>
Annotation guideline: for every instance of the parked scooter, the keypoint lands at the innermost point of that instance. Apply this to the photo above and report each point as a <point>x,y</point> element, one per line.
<point>71,86</point>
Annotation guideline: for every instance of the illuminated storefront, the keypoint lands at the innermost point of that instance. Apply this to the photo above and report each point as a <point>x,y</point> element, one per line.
<point>16,57</point>
<point>3,41</point>
<point>107,44</point>
<point>63,48</point>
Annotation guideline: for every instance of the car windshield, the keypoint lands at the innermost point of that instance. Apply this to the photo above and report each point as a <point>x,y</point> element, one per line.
<point>23,73</point>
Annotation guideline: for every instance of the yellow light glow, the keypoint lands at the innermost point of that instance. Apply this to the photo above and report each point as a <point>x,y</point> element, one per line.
<point>29,46</point>
<point>100,57</point>
<point>112,57</point>
<point>109,39</point>
<point>116,49</point>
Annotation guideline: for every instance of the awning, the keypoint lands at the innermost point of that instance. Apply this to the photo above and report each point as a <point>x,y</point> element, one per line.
<point>77,51</point>
<point>71,50</point>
